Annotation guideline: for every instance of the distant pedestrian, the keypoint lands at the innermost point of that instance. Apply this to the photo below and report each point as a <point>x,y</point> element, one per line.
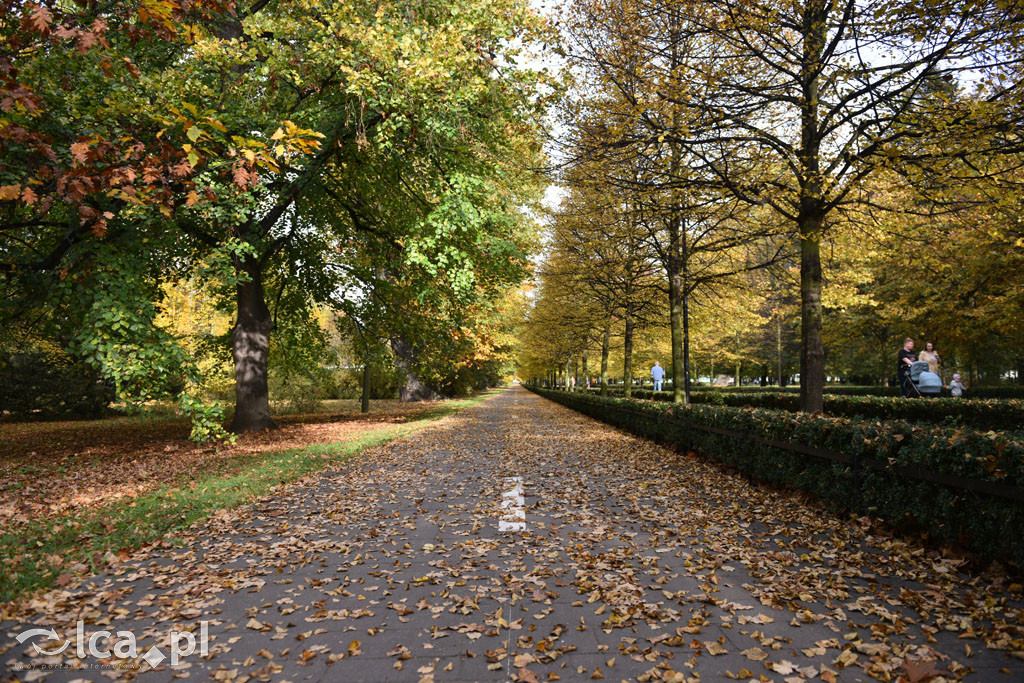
<point>904,359</point>
<point>658,373</point>
<point>956,387</point>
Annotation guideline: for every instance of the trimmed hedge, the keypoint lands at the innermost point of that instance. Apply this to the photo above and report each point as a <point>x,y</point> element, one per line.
<point>978,413</point>
<point>1006,391</point>
<point>988,524</point>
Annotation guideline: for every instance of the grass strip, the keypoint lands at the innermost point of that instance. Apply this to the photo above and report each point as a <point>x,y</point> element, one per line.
<point>36,556</point>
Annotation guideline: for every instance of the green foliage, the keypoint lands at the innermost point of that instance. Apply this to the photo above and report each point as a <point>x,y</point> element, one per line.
<point>35,382</point>
<point>383,382</point>
<point>207,419</point>
<point>979,413</point>
<point>320,151</point>
<point>943,513</point>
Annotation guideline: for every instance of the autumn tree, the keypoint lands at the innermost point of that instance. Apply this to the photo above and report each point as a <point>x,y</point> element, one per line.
<point>631,55</point>
<point>253,115</point>
<point>794,106</point>
<point>599,246</point>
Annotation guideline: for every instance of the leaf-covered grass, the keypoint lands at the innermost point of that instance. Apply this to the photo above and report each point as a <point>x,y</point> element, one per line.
<point>48,551</point>
<point>58,468</point>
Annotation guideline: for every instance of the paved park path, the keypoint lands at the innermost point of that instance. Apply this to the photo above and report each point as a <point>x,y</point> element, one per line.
<point>636,563</point>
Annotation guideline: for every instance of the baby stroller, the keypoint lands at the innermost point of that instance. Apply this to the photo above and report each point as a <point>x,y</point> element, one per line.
<point>921,381</point>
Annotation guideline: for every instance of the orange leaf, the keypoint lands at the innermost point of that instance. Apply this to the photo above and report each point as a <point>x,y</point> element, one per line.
<point>80,152</point>
<point>41,19</point>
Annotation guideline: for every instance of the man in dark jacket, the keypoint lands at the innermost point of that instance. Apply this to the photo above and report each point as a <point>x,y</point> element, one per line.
<point>904,359</point>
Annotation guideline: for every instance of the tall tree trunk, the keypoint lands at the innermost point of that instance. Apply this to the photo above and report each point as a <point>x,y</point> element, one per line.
<point>812,348</point>
<point>586,377</point>
<point>627,354</point>
<point>739,359</point>
<point>811,216</point>
<point>605,350</point>
<point>778,345</point>
<point>364,403</point>
<point>686,345</point>
<point>250,346</point>
<point>676,322</point>
<point>411,388</point>
<point>677,254</point>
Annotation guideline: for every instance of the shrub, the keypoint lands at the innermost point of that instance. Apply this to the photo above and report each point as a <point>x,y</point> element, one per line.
<point>895,470</point>
<point>39,383</point>
<point>383,382</point>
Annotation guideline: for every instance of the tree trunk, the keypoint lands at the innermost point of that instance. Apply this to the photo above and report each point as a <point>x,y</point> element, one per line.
<point>627,357</point>
<point>811,216</point>
<point>778,345</point>
<point>364,404</point>
<point>812,349</point>
<point>411,388</point>
<point>677,251</point>
<point>250,346</point>
<point>739,359</point>
<point>686,347</point>
<point>586,377</point>
<point>605,350</point>
<point>676,322</point>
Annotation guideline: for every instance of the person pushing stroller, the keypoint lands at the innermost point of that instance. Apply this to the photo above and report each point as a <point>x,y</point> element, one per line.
<point>904,359</point>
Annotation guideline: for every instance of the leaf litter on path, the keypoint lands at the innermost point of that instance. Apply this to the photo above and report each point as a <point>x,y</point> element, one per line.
<point>638,563</point>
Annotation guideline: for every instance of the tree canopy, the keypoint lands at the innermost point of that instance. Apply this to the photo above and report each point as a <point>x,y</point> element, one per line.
<point>373,158</point>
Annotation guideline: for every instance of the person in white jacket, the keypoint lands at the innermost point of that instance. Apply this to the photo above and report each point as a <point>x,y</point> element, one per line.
<point>658,373</point>
<point>956,387</point>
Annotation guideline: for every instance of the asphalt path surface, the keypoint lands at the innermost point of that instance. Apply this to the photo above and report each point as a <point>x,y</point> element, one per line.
<point>518,540</point>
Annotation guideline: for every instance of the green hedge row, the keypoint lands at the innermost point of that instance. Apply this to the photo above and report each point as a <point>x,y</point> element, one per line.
<point>978,413</point>
<point>988,524</point>
<point>978,392</point>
